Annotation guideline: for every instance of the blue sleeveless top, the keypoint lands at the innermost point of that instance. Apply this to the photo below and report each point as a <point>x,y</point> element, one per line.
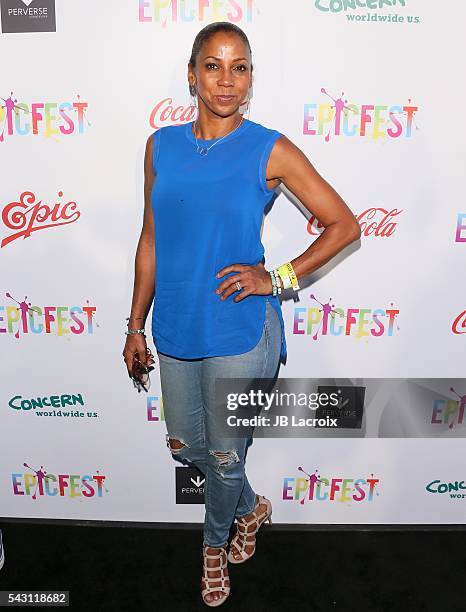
<point>208,212</point>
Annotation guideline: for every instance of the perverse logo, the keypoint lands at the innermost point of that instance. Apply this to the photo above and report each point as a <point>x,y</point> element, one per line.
<point>28,16</point>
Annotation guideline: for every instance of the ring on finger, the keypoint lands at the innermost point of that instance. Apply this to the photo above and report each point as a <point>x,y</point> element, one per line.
<point>238,285</point>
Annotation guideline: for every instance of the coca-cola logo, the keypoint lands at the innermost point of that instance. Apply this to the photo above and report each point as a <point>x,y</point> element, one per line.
<point>166,112</point>
<point>459,324</point>
<point>377,222</point>
<point>30,215</point>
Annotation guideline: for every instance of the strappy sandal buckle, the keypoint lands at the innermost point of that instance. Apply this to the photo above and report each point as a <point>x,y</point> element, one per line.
<point>240,539</point>
<point>224,588</point>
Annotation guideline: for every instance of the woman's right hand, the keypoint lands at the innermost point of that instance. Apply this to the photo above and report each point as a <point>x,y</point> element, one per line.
<point>135,349</point>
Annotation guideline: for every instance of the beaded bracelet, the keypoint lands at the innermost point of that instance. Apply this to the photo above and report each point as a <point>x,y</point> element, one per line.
<point>274,283</point>
<point>280,284</point>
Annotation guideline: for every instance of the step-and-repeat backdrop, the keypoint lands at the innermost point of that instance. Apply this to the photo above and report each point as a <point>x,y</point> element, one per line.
<point>363,87</point>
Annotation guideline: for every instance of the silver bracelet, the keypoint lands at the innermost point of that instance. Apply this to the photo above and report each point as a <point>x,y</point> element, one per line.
<point>135,331</point>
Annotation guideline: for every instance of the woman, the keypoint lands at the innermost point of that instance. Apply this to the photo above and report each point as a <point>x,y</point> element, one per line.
<point>216,310</point>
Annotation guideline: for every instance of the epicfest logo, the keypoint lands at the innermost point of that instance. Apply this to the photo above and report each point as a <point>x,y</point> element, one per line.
<point>371,121</point>
<point>313,487</point>
<point>154,408</point>
<point>187,11</point>
<point>455,489</point>
<point>66,405</point>
<point>326,319</point>
<point>57,320</point>
<point>376,221</point>
<point>449,412</point>
<point>39,483</point>
<point>461,228</point>
<point>47,119</point>
<point>364,8</point>
<point>29,214</point>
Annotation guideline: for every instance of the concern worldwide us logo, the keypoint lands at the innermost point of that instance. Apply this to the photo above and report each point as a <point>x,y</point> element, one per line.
<point>451,490</point>
<point>68,406</point>
<point>368,11</point>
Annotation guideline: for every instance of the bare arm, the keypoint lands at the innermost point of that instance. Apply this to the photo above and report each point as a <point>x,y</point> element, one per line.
<point>144,265</point>
<point>289,165</point>
<point>144,271</point>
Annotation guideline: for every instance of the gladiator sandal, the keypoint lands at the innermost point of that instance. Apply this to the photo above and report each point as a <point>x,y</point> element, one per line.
<point>243,537</point>
<point>223,579</point>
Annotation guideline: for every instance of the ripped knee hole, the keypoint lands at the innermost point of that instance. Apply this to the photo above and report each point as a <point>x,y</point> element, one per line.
<point>174,444</point>
<point>225,458</point>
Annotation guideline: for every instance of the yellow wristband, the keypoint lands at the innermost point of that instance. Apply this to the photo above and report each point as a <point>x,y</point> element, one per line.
<point>287,270</point>
<point>282,272</point>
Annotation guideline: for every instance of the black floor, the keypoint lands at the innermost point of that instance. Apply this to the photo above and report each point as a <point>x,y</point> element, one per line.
<point>134,568</point>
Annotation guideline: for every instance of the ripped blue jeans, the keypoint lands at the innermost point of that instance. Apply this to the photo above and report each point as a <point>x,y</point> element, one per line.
<point>188,390</point>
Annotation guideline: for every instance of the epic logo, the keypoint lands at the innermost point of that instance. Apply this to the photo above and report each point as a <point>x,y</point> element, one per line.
<point>29,215</point>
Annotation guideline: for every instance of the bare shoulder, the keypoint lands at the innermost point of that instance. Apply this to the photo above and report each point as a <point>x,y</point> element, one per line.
<point>284,156</point>
<point>150,144</point>
<point>285,150</point>
<point>148,157</point>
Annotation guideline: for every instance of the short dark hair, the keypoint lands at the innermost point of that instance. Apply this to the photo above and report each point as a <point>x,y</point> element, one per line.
<point>212,28</point>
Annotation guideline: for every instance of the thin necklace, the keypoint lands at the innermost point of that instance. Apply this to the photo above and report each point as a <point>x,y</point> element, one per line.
<point>204,150</point>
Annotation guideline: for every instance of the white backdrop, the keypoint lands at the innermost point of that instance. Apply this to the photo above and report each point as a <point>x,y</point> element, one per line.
<point>124,67</point>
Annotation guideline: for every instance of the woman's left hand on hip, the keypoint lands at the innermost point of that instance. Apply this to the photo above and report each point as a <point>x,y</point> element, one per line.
<point>254,280</point>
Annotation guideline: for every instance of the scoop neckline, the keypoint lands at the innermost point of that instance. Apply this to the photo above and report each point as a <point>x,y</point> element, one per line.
<point>239,130</point>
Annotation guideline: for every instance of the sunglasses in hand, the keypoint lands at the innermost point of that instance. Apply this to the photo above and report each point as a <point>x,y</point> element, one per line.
<point>140,372</point>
